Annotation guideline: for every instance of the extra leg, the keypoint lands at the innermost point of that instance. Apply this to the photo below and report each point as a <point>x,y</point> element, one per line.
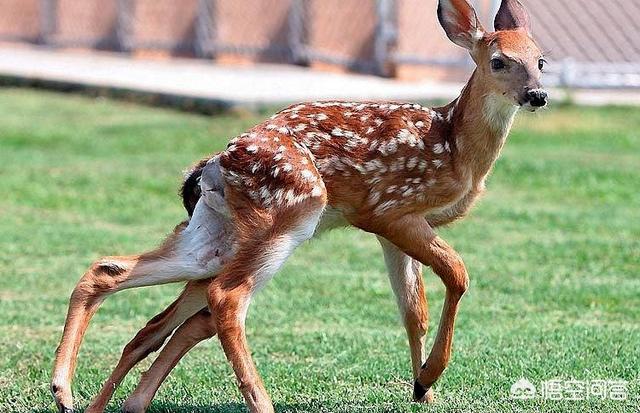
<point>196,329</point>
<point>103,278</point>
<point>405,274</point>
<point>194,251</point>
<point>415,237</point>
<point>151,338</point>
<point>268,255</point>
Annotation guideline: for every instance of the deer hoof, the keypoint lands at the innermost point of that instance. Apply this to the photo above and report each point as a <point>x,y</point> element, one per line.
<point>422,394</point>
<point>61,400</point>
<point>133,406</point>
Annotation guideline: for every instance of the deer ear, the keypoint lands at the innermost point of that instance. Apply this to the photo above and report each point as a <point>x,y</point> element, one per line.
<point>511,16</point>
<point>460,22</point>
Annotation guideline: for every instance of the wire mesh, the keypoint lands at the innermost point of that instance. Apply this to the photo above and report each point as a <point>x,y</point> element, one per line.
<point>87,23</point>
<point>342,32</point>
<point>259,29</point>
<point>20,20</point>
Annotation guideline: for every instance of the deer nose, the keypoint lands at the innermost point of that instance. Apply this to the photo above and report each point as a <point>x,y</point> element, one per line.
<point>537,97</point>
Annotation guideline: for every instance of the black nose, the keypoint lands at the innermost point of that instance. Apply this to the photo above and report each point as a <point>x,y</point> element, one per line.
<point>537,97</point>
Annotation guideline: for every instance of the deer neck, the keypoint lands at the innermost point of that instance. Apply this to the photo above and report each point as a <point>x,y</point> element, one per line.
<point>480,123</point>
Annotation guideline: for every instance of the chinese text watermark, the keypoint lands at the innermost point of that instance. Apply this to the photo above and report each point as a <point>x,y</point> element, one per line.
<point>558,389</point>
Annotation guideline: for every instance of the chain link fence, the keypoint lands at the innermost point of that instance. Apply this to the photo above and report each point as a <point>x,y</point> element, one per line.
<point>589,43</point>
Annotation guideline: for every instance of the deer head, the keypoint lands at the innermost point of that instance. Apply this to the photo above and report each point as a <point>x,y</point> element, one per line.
<point>508,60</point>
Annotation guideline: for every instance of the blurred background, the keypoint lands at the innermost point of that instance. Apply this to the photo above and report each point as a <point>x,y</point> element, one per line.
<point>590,44</point>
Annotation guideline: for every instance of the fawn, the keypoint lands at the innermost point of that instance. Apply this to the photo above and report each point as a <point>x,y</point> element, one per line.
<point>391,169</point>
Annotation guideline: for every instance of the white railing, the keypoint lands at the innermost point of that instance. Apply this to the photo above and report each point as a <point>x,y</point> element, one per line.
<point>594,75</point>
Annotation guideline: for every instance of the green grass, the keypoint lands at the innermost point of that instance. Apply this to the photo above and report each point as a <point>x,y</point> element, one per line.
<point>553,252</point>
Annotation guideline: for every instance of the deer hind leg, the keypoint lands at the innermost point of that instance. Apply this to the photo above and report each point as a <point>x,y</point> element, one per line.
<point>196,329</point>
<point>276,196</point>
<point>273,212</point>
<point>151,338</point>
<point>195,251</point>
<point>266,238</point>
<point>231,292</point>
<point>405,274</point>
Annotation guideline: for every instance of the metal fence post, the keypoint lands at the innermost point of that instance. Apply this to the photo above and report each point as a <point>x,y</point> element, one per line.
<point>124,25</point>
<point>297,31</point>
<point>205,29</point>
<point>495,6</point>
<point>568,73</point>
<point>48,20</point>
<point>384,36</point>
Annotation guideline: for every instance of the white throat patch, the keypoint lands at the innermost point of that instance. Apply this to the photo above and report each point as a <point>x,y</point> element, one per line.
<point>499,113</point>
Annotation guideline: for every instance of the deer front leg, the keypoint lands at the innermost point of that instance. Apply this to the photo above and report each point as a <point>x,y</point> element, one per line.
<point>416,238</point>
<point>151,337</point>
<point>405,274</point>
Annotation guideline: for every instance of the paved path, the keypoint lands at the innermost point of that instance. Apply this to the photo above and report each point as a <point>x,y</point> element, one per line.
<point>250,86</point>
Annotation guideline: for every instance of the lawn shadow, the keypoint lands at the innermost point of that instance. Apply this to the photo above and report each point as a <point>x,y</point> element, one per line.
<point>311,406</point>
<point>162,407</point>
<point>314,405</point>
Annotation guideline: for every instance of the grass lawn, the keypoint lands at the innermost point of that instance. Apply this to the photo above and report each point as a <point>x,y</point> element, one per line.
<point>553,253</point>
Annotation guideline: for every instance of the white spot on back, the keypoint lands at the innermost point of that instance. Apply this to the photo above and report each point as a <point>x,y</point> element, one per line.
<point>374,198</point>
<point>307,175</point>
<point>337,132</point>
<point>380,209</point>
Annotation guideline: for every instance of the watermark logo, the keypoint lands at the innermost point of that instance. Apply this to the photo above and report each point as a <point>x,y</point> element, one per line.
<point>523,389</point>
<point>557,389</point>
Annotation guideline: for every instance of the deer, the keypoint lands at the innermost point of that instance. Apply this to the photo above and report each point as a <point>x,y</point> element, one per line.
<point>396,170</point>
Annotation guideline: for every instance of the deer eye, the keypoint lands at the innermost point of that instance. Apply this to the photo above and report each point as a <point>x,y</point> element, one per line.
<point>541,63</point>
<point>497,64</point>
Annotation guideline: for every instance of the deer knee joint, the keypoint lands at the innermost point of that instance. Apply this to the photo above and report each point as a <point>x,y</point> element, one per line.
<point>108,267</point>
<point>455,277</point>
<point>460,283</point>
